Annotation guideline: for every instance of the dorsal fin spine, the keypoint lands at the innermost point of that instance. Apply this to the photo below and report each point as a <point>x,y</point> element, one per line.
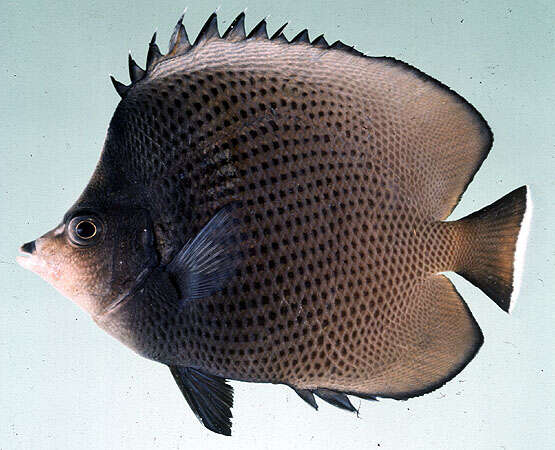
<point>135,71</point>
<point>301,37</point>
<point>320,42</point>
<point>209,30</point>
<point>259,31</point>
<point>278,35</point>
<point>179,41</point>
<point>236,31</point>
<point>153,54</point>
<point>121,88</point>
<point>338,45</point>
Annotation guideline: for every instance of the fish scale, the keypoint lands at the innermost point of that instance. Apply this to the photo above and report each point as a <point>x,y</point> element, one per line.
<point>274,211</point>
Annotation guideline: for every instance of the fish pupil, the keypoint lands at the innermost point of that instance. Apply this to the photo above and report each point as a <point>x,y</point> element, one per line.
<point>85,229</point>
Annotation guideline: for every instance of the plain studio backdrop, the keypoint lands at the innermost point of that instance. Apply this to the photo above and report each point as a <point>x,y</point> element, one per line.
<point>65,384</point>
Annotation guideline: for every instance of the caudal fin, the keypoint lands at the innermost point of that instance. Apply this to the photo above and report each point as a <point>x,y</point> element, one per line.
<point>497,236</point>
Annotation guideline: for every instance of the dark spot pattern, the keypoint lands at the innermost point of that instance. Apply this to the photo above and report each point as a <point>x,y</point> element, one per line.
<point>338,233</point>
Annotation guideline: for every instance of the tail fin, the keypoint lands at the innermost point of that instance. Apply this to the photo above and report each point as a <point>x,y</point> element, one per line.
<point>498,236</point>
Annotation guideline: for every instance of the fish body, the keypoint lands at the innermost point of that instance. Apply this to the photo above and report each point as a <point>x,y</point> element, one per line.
<point>274,211</point>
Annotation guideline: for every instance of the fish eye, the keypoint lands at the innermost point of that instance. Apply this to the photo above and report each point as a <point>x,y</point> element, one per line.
<point>84,231</point>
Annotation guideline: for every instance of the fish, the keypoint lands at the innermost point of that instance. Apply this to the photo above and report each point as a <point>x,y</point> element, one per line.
<point>275,210</point>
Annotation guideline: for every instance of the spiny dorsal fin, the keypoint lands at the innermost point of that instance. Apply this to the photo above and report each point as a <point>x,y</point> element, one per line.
<point>236,31</point>
<point>135,71</point>
<point>259,31</point>
<point>179,44</point>
<point>209,30</point>
<point>278,35</point>
<point>320,42</point>
<point>121,88</point>
<point>179,41</point>
<point>153,54</point>
<point>301,37</point>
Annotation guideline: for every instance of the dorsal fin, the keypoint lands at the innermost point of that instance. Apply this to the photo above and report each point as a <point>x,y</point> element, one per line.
<point>179,41</point>
<point>236,31</point>
<point>179,44</point>
<point>301,37</point>
<point>209,30</point>
<point>278,35</point>
<point>259,31</point>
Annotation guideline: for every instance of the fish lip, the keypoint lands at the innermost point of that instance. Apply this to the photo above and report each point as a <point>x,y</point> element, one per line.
<point>29,261</point>
<point>28,257</point>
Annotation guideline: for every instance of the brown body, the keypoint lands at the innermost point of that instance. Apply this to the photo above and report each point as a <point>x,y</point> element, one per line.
<point>339,204</point>
<point>343,169</point>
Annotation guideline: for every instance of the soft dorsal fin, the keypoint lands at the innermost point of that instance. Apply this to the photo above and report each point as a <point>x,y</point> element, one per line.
<point>209,396</point>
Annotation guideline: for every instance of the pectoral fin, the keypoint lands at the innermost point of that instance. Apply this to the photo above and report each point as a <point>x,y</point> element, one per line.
<point>210,397</point>
<point>204,264</point>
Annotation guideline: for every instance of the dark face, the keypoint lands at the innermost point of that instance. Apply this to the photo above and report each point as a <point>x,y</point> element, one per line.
<point>95,256</point>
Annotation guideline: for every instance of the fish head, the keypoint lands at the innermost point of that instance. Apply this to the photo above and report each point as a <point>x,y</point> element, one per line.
<point>95,256</point>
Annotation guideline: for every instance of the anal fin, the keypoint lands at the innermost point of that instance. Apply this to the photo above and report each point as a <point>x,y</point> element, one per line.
<point>209,396</point>
<point>439,337</point>
<point>307,396</point>
<point>335,398</point>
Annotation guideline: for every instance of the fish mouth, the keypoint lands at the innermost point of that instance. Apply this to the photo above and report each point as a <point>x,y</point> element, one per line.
<point>28,247</point>
<point>29,262</point>
<point>28,258</point>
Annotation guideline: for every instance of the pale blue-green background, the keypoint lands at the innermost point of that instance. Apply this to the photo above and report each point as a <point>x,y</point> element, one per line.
<point>64,384</point>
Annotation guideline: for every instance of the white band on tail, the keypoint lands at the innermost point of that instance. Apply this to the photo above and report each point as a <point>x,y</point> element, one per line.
<point>518,264</point>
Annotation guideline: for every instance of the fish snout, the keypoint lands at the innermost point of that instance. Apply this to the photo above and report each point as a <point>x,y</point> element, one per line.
<point>29,258</point>
<point>28,247</point>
